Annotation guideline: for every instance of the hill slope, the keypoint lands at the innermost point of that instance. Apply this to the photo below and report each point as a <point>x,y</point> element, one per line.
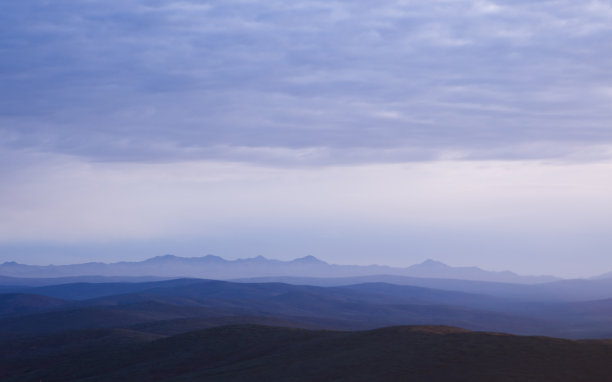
<point>258,353</point>
<point>200,303</point>
<point>360,307</point>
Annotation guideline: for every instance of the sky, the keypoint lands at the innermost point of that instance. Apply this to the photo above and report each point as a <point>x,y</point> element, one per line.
<point>472,132</point>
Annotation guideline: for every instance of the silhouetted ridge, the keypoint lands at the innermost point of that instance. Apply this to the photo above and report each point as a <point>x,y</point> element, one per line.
<point>211,266</point>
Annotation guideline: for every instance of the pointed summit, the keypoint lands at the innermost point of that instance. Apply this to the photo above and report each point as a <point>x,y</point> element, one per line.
<point>162,259</point>
<point>308,260</point>
<point>430,264</point>
<point>213,259</point>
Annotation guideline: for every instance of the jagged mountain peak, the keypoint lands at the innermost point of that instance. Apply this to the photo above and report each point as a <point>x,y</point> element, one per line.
<point>308,260</point>
<point>162,259</point>
<point>257,259</point>
<point>178,259</point>
<point>260,258</point>
<point>213,258</point>
<point>431,264</point>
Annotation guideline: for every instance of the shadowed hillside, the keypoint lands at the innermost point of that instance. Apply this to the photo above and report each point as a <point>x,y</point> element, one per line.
<point>260,353</point>
<point>361,307</point>
<point>20,303</point>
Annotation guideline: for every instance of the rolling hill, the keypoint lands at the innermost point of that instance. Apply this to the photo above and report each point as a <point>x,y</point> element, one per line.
<point>262,353</point>
<point>359,307</point>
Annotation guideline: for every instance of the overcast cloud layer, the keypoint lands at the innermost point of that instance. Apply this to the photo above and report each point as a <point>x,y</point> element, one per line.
<point>470,131</point>
<point>307,82</point>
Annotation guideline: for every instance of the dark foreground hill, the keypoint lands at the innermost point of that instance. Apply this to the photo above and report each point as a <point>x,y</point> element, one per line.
<point>261,353</point>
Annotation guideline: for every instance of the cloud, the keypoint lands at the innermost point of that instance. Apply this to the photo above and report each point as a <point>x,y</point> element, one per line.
<point>306,82</point>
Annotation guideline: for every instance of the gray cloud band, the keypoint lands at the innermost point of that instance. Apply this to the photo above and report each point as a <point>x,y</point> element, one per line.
<point>307,82</point>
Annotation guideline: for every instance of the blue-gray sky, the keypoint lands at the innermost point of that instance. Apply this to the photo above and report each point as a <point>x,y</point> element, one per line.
<point>473,132</point>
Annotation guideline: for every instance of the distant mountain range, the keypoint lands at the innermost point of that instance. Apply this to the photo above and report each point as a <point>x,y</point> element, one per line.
<point>215,267</point>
